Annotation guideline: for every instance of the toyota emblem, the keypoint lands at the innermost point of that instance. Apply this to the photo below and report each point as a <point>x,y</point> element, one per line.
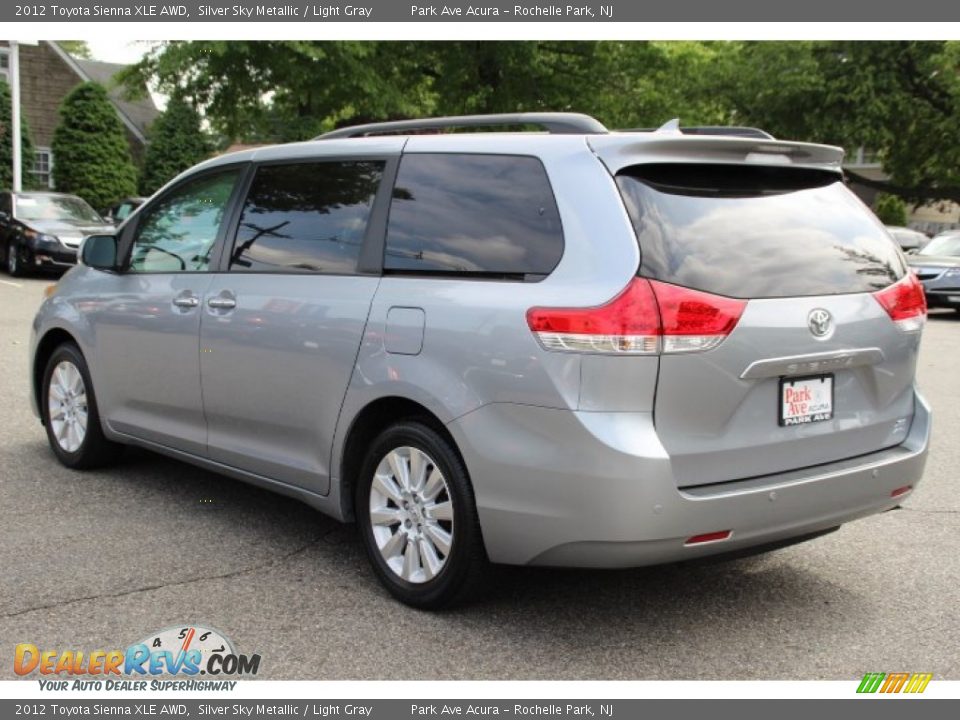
<point>820,323</point>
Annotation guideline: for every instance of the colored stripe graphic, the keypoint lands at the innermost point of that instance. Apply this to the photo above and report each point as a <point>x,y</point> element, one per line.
<point>918,682</point>
<point>870,682</point>
<point>894,682</point>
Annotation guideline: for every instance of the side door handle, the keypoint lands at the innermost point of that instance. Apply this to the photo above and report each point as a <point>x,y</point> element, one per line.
<point>186,299</point>
<point>222,302</point>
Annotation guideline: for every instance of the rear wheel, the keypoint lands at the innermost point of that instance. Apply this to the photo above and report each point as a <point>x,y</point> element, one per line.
<point>418,519</point>
<point>70,414</point>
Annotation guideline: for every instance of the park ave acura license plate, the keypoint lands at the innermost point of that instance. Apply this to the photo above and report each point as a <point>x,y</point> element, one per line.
<point>806,400</point>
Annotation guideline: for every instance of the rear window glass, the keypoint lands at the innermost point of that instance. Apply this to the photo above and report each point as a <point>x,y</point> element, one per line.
<point>485,215</point>
<point>755,232</point>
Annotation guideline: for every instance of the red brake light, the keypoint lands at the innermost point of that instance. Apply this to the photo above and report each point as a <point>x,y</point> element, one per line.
<point>635,321</point>
<point>905,303</point>
<point>630,323</point>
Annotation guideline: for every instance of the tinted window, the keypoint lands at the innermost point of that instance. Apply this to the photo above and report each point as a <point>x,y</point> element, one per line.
<point>483,214</point>
<point>5,203</point>
<point>306,217</point>
<point>179,232</point>
<point>756,232</point>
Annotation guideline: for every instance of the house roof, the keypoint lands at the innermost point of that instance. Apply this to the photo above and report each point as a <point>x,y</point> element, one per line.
<point>135,114</point>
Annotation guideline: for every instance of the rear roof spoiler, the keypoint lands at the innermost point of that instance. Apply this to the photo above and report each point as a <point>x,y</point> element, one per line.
<point>620,150</point>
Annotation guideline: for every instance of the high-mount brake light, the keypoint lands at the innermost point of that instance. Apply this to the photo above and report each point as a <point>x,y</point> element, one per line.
<point>646,318</point>
<point>905,303</point>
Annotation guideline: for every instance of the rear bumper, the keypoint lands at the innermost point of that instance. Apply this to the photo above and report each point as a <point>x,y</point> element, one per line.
<point>557,487</point>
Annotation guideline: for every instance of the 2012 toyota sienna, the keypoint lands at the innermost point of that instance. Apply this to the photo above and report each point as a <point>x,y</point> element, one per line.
<point>573,347</point>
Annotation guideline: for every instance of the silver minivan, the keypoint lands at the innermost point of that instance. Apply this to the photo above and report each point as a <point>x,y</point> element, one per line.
<point>573,347</point>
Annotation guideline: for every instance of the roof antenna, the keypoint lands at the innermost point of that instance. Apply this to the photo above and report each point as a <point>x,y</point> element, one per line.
<point>670,127</point>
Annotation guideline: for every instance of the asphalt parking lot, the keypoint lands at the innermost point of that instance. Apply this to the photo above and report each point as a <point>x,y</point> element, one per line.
<point>98,560</point>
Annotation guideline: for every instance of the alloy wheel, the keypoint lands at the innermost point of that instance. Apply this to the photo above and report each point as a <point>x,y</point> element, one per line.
<point>411,514</point>
<point>67,406</point>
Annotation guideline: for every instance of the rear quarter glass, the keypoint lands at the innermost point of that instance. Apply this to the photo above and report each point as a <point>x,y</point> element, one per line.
<point>756,232</point>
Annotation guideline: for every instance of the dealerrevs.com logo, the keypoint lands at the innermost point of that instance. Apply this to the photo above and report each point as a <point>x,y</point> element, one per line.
<point>187,651</point>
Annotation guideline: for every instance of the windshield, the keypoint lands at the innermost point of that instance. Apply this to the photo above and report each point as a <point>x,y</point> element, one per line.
<point>755,232</point>
<point>55,207</point>
<point>948,245</point>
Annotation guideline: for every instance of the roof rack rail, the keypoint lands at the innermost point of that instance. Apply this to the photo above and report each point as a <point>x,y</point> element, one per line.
<point>673,126</point>
<point>555,123</point>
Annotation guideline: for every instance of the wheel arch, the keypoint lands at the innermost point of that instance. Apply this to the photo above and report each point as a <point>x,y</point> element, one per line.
<point>369,422</point>
<point>51,340</point>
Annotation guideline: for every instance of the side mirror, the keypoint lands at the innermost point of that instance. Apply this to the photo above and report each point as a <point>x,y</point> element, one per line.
<point>913,251</point>
<point>100,252</point>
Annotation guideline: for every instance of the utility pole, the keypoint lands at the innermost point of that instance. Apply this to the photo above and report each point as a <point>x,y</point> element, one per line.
<point>15,113</point>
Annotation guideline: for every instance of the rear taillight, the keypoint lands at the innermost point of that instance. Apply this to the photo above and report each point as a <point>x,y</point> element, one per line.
<point>646,318</point>
<point>905,303</point>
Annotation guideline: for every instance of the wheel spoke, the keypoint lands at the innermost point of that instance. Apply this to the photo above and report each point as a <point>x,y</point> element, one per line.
<point>385,485</point>
<point>440,511</point>
<point>440,538</point>
<point>56,412</point>
<point>418,469</point>
<point>394,546</point>
<point>411,561</point>
<point>385,516</point>
<point>429,560</point>
<point>398,464</point>
<point>433,485</point>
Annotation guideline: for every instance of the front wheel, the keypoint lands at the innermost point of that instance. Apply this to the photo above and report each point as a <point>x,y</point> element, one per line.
<point>70,413</point>
<point>14,267</point>
<point>418,519</point>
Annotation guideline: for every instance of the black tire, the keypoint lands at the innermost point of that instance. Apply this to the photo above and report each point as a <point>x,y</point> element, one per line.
<point>94,450</point>
<point>12,264</point>
<point>465,568</point>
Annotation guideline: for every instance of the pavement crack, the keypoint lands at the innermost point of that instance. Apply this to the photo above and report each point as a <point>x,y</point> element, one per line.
<point>179,583</point>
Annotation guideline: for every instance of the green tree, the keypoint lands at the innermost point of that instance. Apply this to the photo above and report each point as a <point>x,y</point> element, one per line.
<point>176,143</point>
<point>891,210</point>
<point>77,48</point>
<point>92,157</point>
<point>6,144</point>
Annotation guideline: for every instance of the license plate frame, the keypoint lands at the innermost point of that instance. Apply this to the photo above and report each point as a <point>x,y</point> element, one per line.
<point>806,381</point>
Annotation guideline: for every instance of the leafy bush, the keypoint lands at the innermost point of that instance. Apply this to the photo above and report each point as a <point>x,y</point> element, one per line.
<point>90,150</point>
<point>891,210</point>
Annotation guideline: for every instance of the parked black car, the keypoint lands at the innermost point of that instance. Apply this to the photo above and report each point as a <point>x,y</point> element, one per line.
<point>44,230</point>
<point>937,266</point>
<point>120,211</point>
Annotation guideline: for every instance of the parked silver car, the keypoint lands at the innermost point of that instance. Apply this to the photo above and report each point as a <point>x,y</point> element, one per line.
<point>578,348</point>
<point>937,266</point>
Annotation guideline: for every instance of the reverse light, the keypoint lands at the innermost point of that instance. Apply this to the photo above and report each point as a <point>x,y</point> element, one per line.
<point>646,318</point>
<point>905,303</point>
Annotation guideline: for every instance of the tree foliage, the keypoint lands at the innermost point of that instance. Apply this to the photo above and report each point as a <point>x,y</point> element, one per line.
<point>899,99</point>
<point>6,144</point>
<point>77,48</point>
<point>92,157</point>
<point>177,142</point>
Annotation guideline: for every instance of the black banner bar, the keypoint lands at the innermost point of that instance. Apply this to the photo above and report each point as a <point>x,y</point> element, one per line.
<point>454,11</point>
